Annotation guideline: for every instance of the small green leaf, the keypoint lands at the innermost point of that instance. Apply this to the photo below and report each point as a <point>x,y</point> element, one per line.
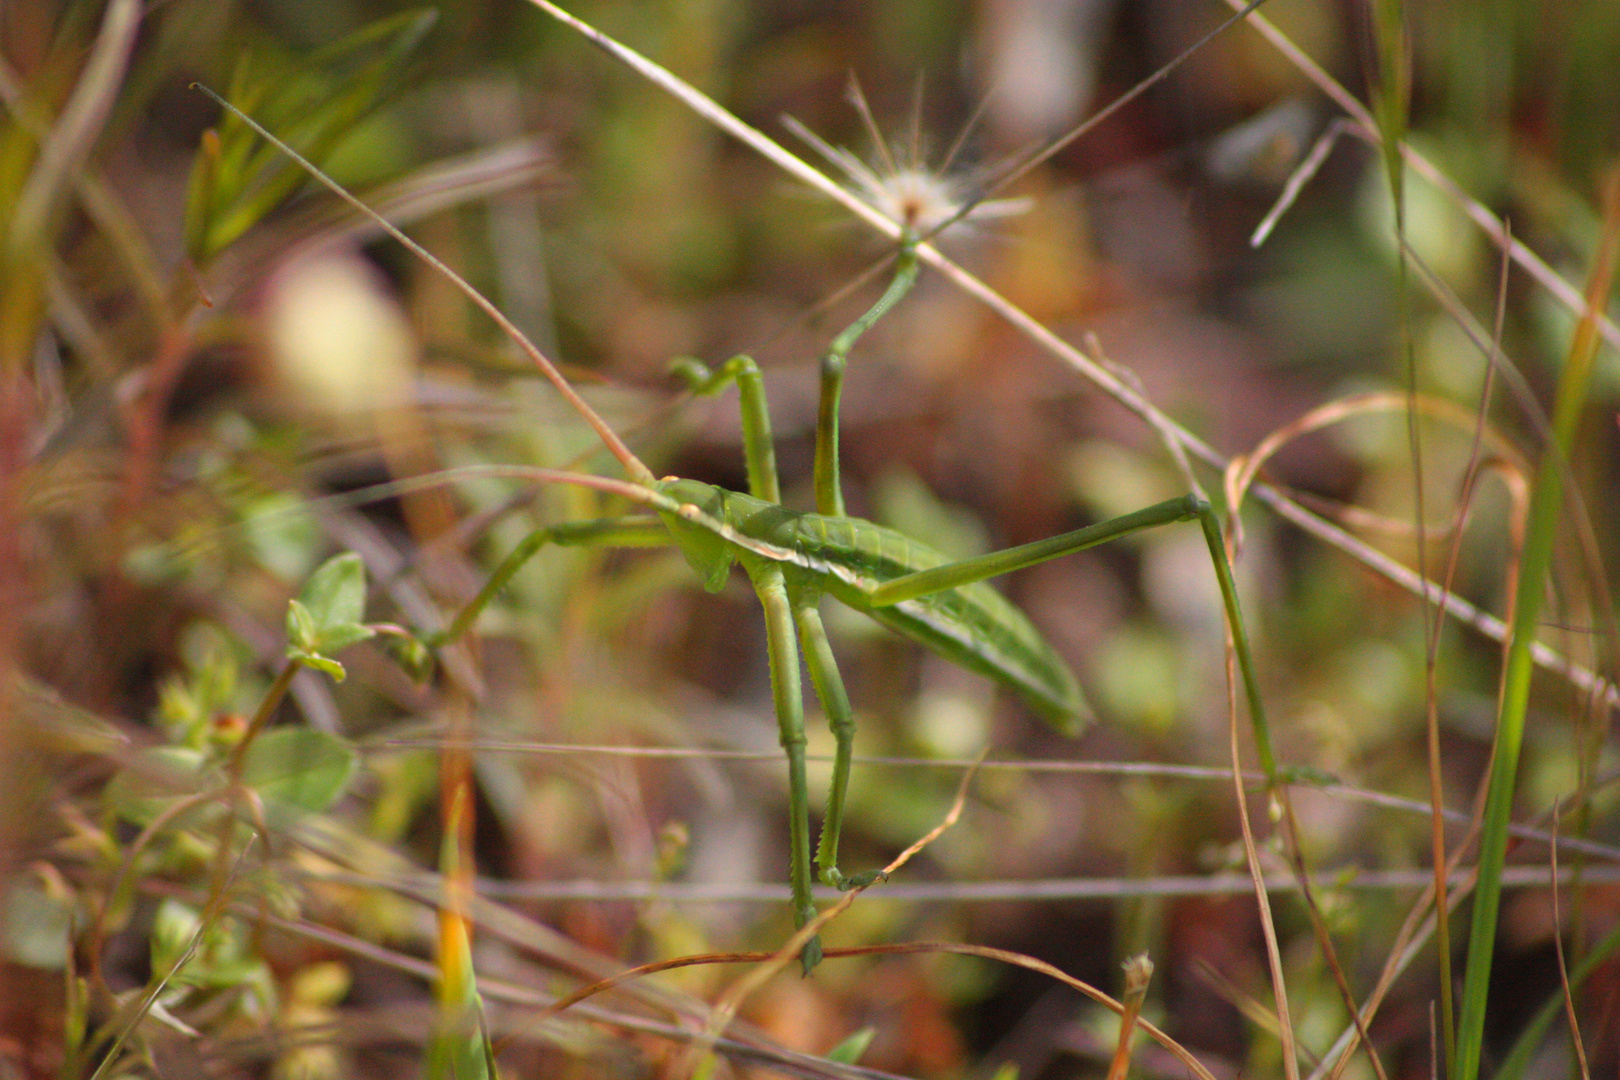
<point>850,1050</point>
<point>76,1011</point>
<point>342,635</point>
<point>319,663</point>
<point>173,927</point>
<point>215,678</point>
<point>336,592</point>
<point>301,631</point>
<point>300,767</point>
<point>326,616</point>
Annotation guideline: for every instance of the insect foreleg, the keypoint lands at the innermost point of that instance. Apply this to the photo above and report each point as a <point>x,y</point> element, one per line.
<point>602,532</point>
<point>829,488</point>
<point>758,447</point>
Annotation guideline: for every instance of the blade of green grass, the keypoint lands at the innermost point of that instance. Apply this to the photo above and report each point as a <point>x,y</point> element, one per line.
<point>1545,505</point>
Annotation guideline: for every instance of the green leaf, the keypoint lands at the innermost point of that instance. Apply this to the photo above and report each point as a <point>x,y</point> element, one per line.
<point>215,679</point>
<point>300,767</point>
<point>850,1050</point>
<point>173,927</point>
<point>336,592</point>
<point>319,663</point>
<point>326,616</point>
<point>342,635</point>
<point>301,631</point>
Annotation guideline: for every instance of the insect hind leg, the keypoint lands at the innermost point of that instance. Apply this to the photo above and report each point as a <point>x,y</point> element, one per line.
<point>829,684</point>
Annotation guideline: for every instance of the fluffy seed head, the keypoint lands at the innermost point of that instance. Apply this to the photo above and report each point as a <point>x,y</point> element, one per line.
<point>909,194</point>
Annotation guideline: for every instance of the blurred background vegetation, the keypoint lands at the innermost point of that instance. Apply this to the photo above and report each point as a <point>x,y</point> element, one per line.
<point>207,363</point>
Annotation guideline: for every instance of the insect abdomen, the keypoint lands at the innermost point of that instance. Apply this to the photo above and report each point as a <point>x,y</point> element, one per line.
<point>973,625</point>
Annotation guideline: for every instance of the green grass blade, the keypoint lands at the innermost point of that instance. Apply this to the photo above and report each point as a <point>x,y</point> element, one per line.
<point>1545,505</point>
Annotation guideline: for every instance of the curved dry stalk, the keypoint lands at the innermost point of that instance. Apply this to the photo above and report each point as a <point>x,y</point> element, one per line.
<point>1030,963</point>
<point>1129,1010</point>
<point>1563,969</point>
<point>1243,468</point>
<point>761,1051</point>
<point>757,1048</point>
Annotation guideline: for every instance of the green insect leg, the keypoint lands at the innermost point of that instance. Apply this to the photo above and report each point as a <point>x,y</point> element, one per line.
<point>758,447</point>
<point>818,657</point>
<point>829,487</point>
<point>605,532</point>
<point>789,701</point>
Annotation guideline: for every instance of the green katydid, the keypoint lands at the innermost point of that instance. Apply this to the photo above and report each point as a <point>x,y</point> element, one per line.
<point>792,558</point>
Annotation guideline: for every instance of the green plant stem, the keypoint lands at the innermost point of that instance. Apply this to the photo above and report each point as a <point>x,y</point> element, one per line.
<point>267,709</point>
